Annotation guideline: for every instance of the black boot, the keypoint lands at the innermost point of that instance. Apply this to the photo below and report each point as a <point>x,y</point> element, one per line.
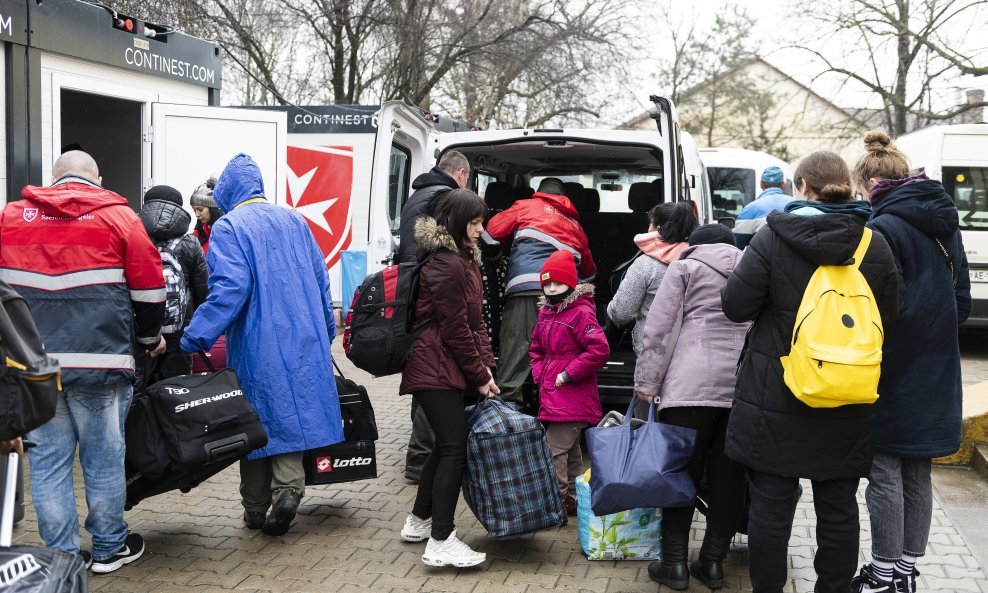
<point>671,571</point>
<point>709,566</point>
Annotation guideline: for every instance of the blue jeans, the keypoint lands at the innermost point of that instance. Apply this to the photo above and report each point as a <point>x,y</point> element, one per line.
<point>94,418</point>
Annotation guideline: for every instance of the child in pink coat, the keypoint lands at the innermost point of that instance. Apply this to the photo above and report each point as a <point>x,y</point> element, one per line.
<point>568,348</point>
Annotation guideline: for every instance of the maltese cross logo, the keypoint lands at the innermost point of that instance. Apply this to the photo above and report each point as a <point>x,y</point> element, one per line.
<point>30,214</point>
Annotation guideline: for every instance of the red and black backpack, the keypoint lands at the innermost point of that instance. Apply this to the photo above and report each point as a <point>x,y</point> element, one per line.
<point>380,327</point>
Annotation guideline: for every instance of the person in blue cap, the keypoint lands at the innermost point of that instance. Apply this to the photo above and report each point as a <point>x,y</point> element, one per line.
<point>269,293</point>
<point>753,215</point>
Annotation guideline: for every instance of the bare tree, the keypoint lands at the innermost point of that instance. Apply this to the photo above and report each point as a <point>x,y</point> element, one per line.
<point>558,67</point>
<point>899,51</point>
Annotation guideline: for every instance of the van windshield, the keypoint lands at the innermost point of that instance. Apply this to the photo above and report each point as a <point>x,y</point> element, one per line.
<point>968,186</point>
<point>612,187</point>
<point>731,188</point>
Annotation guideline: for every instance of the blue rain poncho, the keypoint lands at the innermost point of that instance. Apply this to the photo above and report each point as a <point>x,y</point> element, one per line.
<point>269,292</point>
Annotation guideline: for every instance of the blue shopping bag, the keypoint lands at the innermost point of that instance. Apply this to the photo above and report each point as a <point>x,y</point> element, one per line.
<point>642,467</point>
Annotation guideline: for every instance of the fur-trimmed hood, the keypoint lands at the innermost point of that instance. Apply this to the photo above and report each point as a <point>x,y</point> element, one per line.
<point>580,290</point>
<point>432,236</point>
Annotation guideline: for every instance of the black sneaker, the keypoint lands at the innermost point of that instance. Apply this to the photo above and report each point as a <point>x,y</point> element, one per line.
<point>87,558</point>
<point>132,550</point>
<point>868,582</point>
<point>905,583</point>
<point>254,519</point>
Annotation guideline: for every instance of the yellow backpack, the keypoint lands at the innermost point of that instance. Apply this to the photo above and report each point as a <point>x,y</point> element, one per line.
<point>836,354</point>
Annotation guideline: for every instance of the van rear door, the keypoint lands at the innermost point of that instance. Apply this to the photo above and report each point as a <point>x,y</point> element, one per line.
<point>401,153</point>
<point>677,187</point>
<point>190,143</point>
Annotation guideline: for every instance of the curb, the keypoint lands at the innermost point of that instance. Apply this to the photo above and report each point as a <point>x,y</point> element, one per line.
<point>974,426</point>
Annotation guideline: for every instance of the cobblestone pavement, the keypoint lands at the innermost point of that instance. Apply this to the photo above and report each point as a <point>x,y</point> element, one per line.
<point>346,540</point>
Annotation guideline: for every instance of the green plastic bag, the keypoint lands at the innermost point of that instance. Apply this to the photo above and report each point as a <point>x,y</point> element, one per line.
<point>628,535</point>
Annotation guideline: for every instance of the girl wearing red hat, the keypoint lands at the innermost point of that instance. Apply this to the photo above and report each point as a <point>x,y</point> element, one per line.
<point>568,348</point>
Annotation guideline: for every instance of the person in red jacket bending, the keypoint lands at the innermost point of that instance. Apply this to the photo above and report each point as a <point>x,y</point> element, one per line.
<point>541,225</point>
<point>568,348</point>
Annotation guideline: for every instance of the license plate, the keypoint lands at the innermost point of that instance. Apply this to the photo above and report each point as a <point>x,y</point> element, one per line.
<point>979,275</point>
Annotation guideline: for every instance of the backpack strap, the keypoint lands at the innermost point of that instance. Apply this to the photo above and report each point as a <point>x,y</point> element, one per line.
<point>859,253</point>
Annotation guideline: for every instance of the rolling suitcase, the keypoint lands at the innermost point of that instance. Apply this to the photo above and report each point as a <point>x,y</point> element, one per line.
<point>186,429</point>
<point>510,482</point>
<point>31,569</point>
<point>216,356</point>
<point>355,458</point>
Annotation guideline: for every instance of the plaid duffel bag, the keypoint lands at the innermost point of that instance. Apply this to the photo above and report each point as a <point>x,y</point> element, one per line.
<point>510,483</point>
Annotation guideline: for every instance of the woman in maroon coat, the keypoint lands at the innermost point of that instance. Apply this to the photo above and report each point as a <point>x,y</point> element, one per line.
<point>452,355</point>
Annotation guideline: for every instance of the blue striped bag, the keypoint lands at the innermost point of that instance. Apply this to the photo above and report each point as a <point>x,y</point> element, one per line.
<point>510,482</point>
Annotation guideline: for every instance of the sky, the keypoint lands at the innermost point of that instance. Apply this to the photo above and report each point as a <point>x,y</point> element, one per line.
<point>778,25</point>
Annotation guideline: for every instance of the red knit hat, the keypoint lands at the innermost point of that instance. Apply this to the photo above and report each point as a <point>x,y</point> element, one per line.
<point>561,268</point>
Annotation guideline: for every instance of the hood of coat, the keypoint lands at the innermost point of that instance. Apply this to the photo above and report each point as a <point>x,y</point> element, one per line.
<point>240,181</point>
<point>71,199</point>
<point>432,236</point>
<point>720,257</point>
<point>829,239</point>
<point>561,203</point>
<point>434,176</point>
<point>920,201</point>
<point>165,220</point>
<point>581,292</point>
<point>653,246</point>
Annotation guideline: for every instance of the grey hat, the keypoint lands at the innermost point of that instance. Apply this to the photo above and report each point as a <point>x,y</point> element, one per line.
<point>203,195</point>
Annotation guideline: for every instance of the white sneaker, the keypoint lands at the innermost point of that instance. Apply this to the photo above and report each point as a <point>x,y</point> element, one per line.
<point>451,552</point>
<point>415,529</point>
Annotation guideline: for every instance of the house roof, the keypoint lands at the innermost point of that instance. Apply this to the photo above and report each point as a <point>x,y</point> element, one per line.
<point>851,114</point>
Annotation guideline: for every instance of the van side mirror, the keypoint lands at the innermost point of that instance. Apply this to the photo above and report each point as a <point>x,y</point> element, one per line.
<point>727,221</point>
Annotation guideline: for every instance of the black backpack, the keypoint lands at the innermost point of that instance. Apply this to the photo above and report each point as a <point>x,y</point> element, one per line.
<point>29,379</point>
<point>380,329</point>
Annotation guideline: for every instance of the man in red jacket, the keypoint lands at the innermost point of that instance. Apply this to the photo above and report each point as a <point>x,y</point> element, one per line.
<point>541,225</point>
<point>87,268</point>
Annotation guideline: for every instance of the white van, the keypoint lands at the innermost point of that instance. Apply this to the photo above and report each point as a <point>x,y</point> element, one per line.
<point>734,177</point>
<point>957,155</point>
<point>612,176</point>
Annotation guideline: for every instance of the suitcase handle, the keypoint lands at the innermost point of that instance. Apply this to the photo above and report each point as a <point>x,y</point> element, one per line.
<point>205,359</point>
<point>228,448</point>
<point>221,422</point>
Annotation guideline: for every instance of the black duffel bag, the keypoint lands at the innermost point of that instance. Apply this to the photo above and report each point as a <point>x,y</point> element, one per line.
<point>200,420</point>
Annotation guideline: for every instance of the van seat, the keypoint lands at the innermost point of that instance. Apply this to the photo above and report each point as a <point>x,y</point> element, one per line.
<point>591,200</point>
<point>574,191</point>
<point>643,196</point>
<point>498,196</point>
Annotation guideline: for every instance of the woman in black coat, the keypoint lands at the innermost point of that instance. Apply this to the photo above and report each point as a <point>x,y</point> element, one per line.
<point>776,436</point>
<point>918,415</point>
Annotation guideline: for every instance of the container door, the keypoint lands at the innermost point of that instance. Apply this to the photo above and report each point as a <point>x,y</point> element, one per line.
<point>403,150</point>
<point>190,143</point>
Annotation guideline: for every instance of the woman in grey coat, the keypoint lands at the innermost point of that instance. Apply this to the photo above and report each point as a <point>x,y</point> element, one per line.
<point>669,227</point>
<point>689,355</point>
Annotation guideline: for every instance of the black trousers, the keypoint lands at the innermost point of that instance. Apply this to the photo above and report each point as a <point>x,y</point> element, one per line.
<point>725,477</point>
<point>420,443</point>
<point>442,472</point>
<point>773,506</point>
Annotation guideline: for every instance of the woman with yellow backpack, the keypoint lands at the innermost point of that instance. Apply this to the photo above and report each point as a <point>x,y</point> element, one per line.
<point>820,289</point>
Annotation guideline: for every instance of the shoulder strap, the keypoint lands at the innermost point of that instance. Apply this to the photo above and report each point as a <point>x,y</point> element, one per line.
<point>859,253</point>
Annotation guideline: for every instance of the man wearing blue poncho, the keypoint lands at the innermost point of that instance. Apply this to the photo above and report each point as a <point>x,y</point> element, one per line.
<point>269,292</point>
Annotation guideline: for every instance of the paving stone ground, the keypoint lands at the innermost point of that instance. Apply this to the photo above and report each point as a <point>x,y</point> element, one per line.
<point>346,540</point>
